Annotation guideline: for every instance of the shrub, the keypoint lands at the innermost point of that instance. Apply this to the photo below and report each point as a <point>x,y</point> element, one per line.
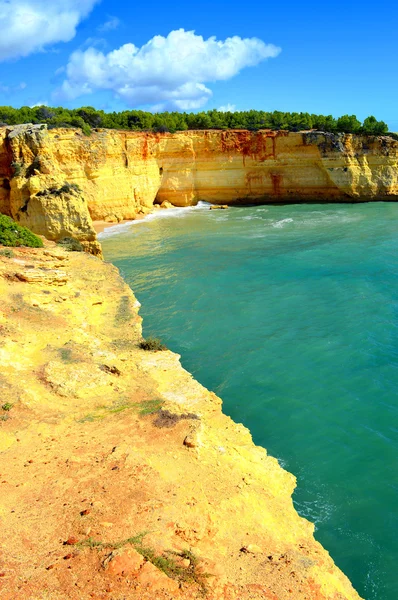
<point>152,344</point>
<point>66,188</point>
<point>12,234</point>
<point>69,188</point>
<point>34,166</point>
<point>7,253</point>
<point>17,168</point>
<point>86,129</point>
<point>71,244</point>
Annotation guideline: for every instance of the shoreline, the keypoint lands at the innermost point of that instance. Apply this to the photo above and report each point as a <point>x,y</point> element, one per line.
<point>100,226</point>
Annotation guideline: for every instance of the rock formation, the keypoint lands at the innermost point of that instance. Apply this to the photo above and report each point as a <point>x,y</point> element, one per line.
<point>121,174</point>
<point>120,476</point>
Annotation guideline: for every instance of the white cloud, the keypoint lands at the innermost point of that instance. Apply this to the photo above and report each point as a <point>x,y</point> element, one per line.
<point>167,71</point>
<point>29,25</point>
<point>44,103</point>
<point>110,24</point>
<point>227,108</point>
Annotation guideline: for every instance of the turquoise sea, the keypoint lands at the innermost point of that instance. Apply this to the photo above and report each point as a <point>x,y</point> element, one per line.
<point>290,314</point>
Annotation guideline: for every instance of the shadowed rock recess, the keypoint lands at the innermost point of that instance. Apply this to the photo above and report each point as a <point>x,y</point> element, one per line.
<point>121,174</point>
<point>120,476</point>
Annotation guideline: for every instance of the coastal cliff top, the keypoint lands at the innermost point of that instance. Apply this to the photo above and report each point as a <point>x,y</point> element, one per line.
<point>15,130</point>
<point>120,476</point>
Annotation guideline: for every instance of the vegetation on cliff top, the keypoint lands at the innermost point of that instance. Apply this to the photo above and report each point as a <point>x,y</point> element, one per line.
<point>138,120</point>
<point>12,234</point>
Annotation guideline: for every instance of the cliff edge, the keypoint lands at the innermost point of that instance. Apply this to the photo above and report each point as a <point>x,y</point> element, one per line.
<point>118,175</point>
<point>120,476</point>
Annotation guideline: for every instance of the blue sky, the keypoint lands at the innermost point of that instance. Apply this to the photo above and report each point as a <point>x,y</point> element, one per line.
<point>331,58</point>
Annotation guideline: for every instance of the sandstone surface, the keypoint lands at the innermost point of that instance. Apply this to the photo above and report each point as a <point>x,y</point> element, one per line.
<point>100,496</point>
<point>122,174</point>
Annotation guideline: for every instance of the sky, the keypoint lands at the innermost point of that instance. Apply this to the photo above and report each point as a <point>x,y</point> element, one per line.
<point>318,57</point>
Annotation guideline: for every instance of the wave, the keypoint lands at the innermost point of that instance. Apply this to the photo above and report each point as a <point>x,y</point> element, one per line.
<point>316,220</point>
<point>252,218</point>
<point>280,224</point>
<point>158,214</point>
<point>317,510</point>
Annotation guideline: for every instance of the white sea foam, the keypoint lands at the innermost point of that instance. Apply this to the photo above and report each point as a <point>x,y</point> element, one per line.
<point>252,218</point>
<point>282,223</point>
<point>317,510</point>
<point>158,214</point>
<point>328,219</point>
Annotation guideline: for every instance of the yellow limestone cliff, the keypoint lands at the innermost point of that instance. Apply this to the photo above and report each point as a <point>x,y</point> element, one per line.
<point>121,174</point>
<point>120,476</point>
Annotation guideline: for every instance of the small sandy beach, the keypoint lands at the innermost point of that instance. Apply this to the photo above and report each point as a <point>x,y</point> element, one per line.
<point>100,226</point>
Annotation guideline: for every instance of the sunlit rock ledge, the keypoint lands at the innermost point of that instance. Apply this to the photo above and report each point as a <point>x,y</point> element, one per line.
<point>120,475</point>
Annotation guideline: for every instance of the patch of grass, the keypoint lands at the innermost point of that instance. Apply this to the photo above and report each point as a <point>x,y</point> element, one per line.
<point>103,411</point>
<point>12,234</point>
<point>152,344</point>
<point>7,406</point>
<point>92,543</point>
<point>118,408</point>
<point>66,355</point>
<point>71,352</point>
<point>90,418</point>
<point>149,407</point>
<point>7,253</point>
<point>168,562</point>
<point>4,417</point>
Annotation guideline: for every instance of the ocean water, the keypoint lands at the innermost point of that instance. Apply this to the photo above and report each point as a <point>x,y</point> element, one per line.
<point>290,314</point>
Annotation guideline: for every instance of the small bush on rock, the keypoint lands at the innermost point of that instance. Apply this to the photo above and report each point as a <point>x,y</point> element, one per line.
<point>71,244</point>
<point>66,188</point>
<point>12,234</point>
<point>17,168</point>
<point>153,344</point>
<point>7,253</point>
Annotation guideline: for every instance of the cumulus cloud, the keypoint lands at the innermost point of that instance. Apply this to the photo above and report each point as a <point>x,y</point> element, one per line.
<point>170,72</point>
<point>29,25</point>
<point>227,108</point>
<point>110,24</point>
<point>44,103</point>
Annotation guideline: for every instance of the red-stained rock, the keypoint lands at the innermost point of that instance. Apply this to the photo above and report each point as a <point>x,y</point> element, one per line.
<point>128,562</point>
<point>151,577</point>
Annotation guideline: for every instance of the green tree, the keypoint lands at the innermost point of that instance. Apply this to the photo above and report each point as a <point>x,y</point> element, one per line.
<point>348,124</point>
<point>374,127</point>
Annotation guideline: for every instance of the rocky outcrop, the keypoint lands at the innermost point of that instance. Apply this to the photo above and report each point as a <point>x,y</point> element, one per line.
<point>37,195</point>
<point>123,174</point>
<point>120,475</point>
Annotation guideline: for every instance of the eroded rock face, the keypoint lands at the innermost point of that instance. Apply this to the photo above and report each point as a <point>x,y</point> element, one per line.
<point>122,174</point>
<point>37,195</point>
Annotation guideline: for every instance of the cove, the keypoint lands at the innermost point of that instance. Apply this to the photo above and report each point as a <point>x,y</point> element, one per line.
<point>290,314</point>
